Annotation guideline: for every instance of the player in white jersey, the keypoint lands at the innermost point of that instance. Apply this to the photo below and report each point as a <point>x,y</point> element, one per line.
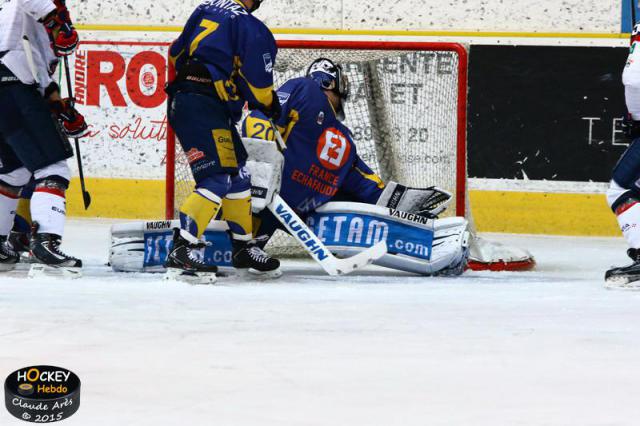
<point>34,124</point>
<point>624,191</point>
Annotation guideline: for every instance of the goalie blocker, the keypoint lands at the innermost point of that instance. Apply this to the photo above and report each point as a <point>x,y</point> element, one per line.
<point>415,244</point>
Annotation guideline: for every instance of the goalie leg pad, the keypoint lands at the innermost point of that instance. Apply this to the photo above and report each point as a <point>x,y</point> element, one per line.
<point>144,246</point>
<point>415,244</point>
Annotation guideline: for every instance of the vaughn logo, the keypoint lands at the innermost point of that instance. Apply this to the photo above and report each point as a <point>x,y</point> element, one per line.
<point>409,216</point>
<point>159,225</point>
<point>300,230</point>
<point>42,394</point>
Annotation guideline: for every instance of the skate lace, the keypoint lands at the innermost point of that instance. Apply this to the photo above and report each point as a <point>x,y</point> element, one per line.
<point>258,254</point>
<point>54,247</point>
<point>191,254</point>
<point>7,251</point>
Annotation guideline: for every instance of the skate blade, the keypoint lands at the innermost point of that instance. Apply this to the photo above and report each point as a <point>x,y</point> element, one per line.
<point>6,267</point>
<point>254,274</point>
<point>192,278</point>
<point>38,270</point>
<point>621,283</point>
<point>269,275</point>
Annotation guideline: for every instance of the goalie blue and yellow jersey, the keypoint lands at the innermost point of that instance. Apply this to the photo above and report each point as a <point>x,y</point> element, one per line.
<point>237,49</point>
<point>321,160</point>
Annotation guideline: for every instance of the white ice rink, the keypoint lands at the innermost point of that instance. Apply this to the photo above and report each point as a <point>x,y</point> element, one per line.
<point>550,347</point>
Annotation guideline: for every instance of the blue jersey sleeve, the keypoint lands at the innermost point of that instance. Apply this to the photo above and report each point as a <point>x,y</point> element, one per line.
<point>291,97</point>
<point>254,62</point>
<point>362,184</point>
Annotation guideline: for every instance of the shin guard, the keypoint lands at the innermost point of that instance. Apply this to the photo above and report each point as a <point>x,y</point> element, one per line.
<point>236,211</point>
<point>198,210</point>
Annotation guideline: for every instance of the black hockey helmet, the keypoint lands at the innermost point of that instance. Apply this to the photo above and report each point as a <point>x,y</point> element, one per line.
<point>329,76</point>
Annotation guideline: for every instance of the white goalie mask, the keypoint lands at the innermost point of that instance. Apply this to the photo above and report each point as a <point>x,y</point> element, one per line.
<point>330,76</point>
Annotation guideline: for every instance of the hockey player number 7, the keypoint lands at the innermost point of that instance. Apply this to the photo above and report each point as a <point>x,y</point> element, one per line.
<point>311,243</point>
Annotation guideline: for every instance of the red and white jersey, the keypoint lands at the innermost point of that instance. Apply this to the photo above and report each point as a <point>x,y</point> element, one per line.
<point>19,18</point>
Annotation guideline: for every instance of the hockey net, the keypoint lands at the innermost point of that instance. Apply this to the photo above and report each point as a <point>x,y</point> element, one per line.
<point>407,112</point>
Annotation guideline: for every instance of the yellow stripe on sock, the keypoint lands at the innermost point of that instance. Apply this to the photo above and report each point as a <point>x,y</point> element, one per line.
<point>238,212</point>
<point>200,209</point>
<point>24,209</point>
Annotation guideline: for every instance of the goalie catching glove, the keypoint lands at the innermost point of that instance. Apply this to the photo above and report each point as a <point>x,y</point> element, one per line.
<point>427,202</point>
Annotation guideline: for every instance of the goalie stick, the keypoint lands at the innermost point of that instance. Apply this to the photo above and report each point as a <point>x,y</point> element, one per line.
<point>311,243</point>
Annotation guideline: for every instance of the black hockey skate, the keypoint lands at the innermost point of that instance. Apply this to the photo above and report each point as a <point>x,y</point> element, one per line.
<point>248,256</point>
<point>48,259</point>
<point>19,242</point>
<point>183,263</point>
<point>625,276</point>
<point>8,256</point>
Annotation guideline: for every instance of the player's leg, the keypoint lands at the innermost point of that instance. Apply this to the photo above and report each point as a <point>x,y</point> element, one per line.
<point>21,232</point>
<point>265,224</point>
<point>38,142</point>
<point>236,211</point>
<point>623,197</point>
<point>199,122</point>
<point>13,176</point>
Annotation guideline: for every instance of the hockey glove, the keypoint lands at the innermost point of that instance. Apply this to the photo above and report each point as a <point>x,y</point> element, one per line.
<point>427,202</point>
<point>73,122</point>
<point>64,38</point>
<point>630,127</point>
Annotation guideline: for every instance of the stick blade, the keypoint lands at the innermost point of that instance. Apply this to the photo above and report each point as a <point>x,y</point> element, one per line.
<point>86,197</point>
<point>360,260</point>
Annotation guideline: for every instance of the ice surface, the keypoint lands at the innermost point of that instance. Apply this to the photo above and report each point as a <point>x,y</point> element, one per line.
<point>550,347</point>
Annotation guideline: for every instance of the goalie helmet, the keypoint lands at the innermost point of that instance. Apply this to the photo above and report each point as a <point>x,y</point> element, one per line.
<point>330,76</point>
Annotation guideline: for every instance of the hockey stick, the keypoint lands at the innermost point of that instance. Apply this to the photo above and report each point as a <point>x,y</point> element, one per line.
<point>311,243</point>
<point>32,66</point>
<point>316,248</point>
<point>86,197</point>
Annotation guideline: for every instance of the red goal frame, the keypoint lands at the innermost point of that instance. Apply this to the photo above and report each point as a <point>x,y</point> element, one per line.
<point>463,64</point>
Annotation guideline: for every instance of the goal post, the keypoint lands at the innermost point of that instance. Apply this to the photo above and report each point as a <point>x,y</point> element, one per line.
<point>409,111</point>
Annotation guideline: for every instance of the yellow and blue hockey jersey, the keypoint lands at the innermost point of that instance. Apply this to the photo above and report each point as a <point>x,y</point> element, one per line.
<point>321,160</point>
<point>237,49</point>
